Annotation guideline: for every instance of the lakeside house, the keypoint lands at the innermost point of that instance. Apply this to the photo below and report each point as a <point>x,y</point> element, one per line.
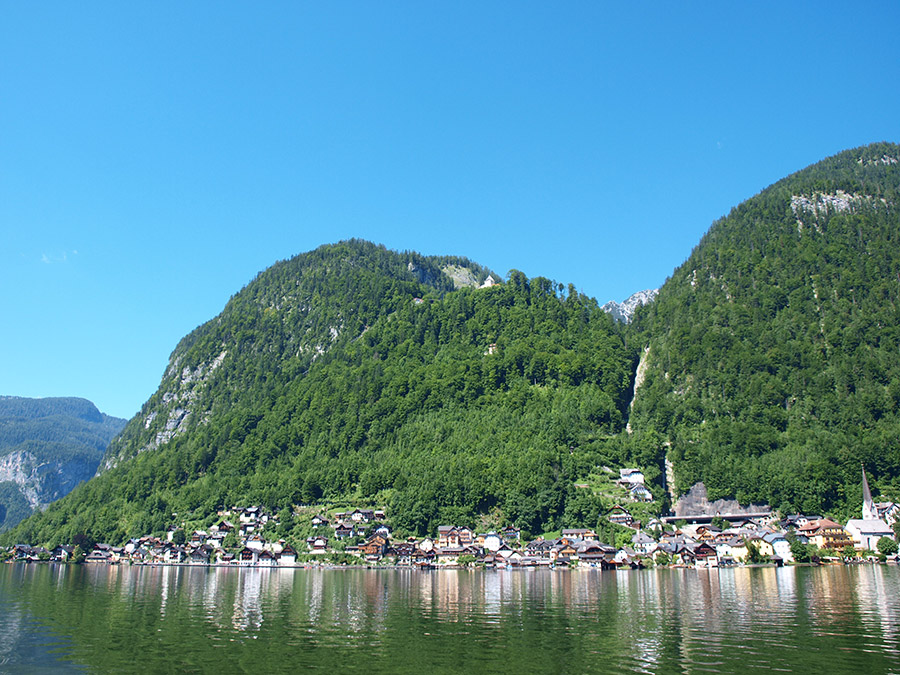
<point>826,533</point>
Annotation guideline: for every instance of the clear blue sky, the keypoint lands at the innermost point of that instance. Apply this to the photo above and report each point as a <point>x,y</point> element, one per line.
<point>155,156</point>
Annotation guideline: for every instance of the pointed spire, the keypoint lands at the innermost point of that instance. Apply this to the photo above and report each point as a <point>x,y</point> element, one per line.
<point>869,512</point>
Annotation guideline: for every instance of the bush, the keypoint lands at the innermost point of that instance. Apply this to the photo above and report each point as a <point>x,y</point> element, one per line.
<point>887,546</point>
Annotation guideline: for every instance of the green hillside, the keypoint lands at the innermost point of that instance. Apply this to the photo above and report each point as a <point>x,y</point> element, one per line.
<point>774,361</point>
<point>353,373</point>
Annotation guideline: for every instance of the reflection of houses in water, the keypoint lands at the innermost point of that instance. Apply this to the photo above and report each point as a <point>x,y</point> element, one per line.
<point>876,606</point>
<point>283,582</point>
<point>376,597</point>
<point>247,608</point>
<point>211,592</point>
<point>425,587</point>
<point>829,595</point>
<point>631,591</point>
<point>350,607</point>
<point>492,592</point>
<point>164,591</point>
<point>786,581</point>
<point>446,592</point>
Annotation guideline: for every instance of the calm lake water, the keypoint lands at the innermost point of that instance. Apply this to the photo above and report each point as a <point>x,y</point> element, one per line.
<point>175,619</point>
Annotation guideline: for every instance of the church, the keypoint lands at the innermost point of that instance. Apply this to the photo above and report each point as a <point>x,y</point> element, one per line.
<point>866,531</point>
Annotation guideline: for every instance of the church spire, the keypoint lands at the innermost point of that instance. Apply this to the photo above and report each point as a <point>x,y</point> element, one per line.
<point>869,512</point>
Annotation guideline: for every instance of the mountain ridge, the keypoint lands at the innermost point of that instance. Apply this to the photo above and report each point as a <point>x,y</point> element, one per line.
<point>308,329</point>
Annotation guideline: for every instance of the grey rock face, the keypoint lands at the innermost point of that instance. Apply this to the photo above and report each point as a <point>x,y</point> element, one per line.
<point>624,311</point>
<point>696,503</point>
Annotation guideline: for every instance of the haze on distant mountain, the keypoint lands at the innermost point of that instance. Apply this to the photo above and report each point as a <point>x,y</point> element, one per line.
<point>766,368</point>
<point>47,446</point>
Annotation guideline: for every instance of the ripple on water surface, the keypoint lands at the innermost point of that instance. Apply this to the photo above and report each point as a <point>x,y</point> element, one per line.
<point>175,619</point>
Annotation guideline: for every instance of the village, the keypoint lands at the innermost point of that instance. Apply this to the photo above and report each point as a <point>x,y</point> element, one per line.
<point>363,537</point>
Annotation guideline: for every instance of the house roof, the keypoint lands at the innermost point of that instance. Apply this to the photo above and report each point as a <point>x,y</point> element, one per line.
<point>870,527</point>
<point>642,538</point>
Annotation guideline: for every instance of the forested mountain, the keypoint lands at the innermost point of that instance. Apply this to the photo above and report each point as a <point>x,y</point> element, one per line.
<point>768,367</point>
<point>773,369</point>
<point>357,373</point>
<point>47,446</point>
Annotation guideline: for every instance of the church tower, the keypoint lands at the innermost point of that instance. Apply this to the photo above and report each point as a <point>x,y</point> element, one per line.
<point>869,512</point>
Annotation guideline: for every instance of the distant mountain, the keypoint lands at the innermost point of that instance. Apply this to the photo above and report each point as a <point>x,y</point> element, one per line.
<point>47,447</point>
<point>624,311</point>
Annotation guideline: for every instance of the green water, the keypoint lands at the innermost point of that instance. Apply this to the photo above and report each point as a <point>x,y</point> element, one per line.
<point>172,620</point>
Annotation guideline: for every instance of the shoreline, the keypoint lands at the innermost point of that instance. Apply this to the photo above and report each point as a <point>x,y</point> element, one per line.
<point>437,568</point>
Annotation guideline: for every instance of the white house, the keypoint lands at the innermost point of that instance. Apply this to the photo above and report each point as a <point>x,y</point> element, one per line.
<point>866,533</point>
<point>493,542</point>
<point>643,543</point>
<point>780,545</point>
<point>631,476</point>
<point>287,556</point>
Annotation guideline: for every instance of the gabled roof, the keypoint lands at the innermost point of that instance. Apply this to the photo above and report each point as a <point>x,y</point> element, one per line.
<point>642,538</point>
<point>871,527</point>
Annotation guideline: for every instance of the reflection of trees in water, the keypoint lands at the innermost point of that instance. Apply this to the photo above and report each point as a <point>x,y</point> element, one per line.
<point>10,629</point>
<point>25,640</point>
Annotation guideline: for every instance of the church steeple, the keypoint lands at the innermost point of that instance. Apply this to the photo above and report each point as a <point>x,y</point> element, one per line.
<point>869,512</point>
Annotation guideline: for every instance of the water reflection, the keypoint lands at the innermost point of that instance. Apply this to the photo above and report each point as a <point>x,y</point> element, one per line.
<point>834,619</point>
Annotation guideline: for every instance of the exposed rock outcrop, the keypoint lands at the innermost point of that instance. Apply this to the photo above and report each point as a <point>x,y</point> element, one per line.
<point>696,503</point>
<point>624,311</point>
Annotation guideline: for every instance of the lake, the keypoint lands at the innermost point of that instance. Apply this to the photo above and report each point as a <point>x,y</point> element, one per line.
<point>114,619</point>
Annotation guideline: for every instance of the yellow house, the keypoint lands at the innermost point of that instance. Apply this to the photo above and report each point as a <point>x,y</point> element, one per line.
<point>826,533</point>
<point>764,547</point>
<point>733,548</point>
